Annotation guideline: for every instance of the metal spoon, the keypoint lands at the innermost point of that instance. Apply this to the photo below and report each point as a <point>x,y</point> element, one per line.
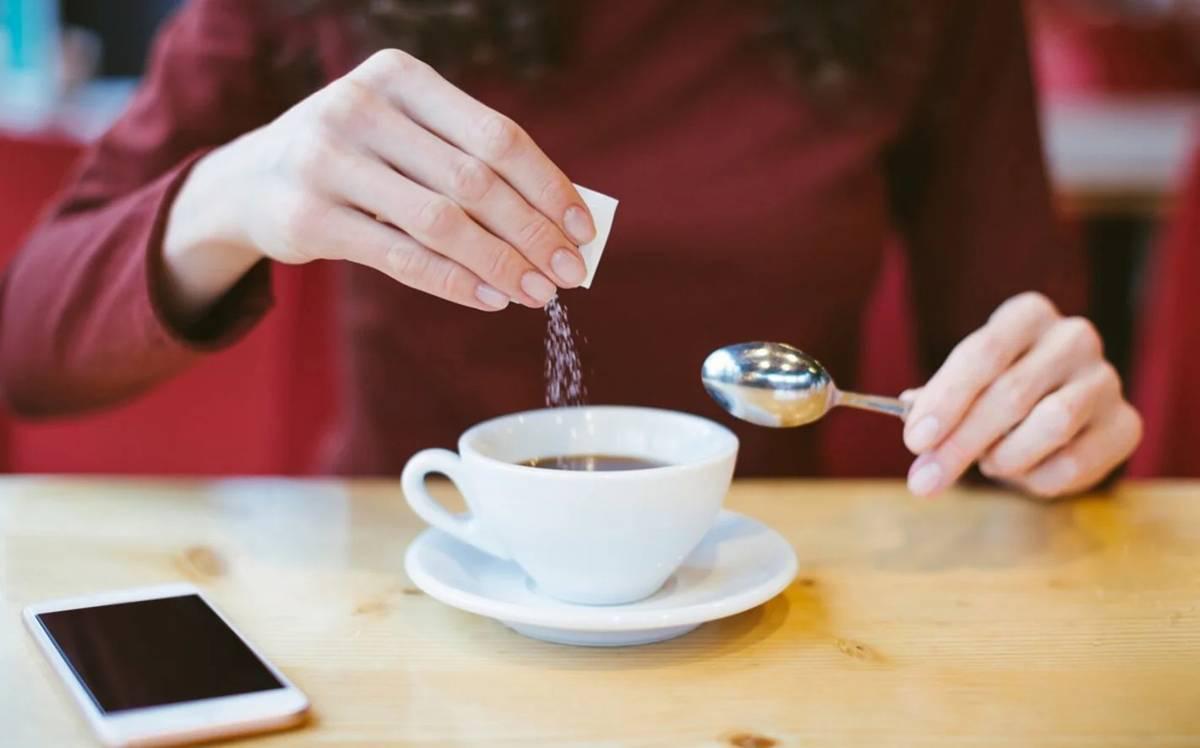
<point>774,384</point>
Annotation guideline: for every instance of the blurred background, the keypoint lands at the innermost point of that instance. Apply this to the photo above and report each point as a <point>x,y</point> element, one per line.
<point>1120,89</point>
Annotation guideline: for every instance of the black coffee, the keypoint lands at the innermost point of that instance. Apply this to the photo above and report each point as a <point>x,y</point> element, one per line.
<point>592,463</point>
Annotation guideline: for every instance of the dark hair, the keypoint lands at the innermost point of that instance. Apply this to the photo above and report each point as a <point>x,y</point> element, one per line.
<point>833,47</point>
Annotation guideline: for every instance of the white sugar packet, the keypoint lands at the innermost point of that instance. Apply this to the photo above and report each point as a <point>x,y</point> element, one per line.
<point>604,210</point>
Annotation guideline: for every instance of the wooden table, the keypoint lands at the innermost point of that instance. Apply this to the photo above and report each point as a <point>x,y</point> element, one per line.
<point>979,619</point>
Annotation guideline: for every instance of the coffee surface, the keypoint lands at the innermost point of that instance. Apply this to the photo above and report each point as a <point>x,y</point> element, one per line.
<point>592,463</point>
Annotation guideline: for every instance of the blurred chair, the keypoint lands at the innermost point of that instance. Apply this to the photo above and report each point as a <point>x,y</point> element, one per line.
<point>30,171</point>
<point>1080,55</point>
<point>1167,376</point>
<point>261,407</point>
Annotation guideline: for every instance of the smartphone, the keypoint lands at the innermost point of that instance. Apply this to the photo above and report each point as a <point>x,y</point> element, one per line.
<point>160,666</point>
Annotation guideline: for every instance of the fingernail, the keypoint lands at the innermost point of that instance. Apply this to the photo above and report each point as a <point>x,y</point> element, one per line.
<point>568,267</point>
<point>924,434</point>
<point>538,287</point>
<point>926,479</point>
<point>490,297</point>
<point>579,224</point>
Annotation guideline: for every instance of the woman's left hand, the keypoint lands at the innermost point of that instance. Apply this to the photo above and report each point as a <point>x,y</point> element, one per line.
<point>1030,397</point>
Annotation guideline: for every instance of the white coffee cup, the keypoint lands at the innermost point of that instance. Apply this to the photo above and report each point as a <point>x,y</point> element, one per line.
<point>597,538</point>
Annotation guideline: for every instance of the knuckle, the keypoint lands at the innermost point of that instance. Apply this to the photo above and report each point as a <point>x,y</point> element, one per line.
<point>985,352</point>
<point>533,233</point>
<point>452,282</point>
<point>407,264</point>
<point>437,217</point>
<point>395,62</point>
<point>1109,374</point>
<point>503,264</point>
<point>950,397</point>
<point>553,193</point>
<point>1084,335</point>
<point>498,137</point>
<point>1058,418</point>
<point>1014,394</point>
<point>1028,305</point>
<point>1133,423</point>
<point>471,180</point>
<point>1108,380</point>
<point>346,106</point>
<point>313,162</point>
<point>1037,304</point>
<point>301,217</point>
<point>956,453</point>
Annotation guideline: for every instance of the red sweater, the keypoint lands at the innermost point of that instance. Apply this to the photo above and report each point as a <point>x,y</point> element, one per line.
<point>745,214</point>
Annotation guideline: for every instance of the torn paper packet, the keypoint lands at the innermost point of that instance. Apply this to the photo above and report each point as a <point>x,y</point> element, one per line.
<point>603,209</point>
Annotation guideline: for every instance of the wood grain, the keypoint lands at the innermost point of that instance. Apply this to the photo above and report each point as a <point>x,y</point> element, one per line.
<point>978,619</point>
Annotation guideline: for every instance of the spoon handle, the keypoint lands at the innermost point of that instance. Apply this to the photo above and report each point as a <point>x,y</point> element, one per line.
<point>888,405</point>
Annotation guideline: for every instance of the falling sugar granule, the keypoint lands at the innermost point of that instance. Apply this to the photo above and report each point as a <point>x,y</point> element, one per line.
<point>564,375</point>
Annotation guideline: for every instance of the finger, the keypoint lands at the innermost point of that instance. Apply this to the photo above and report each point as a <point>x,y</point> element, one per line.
<point>1054,422</point>
<point>1087,460</point>
<point>440,224</point>
<point>482,132</point>
<point>1060,352</point>
<point>492,202</point>
<point>349,235</point>
<point>974,364</point>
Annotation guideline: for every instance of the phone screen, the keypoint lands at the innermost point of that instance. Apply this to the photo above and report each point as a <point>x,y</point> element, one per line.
<point>155,652</point>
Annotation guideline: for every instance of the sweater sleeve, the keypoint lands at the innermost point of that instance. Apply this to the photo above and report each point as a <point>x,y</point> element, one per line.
<point>81,324</point>
<point>969,184</point>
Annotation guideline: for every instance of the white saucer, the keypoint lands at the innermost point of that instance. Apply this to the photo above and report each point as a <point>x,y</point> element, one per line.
<point>740,564</point>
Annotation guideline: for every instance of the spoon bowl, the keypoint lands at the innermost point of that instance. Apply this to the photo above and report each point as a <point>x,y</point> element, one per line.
<point>779,386</point>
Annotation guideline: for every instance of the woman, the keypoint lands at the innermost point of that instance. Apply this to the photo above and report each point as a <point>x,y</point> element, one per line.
<point>763,153</point>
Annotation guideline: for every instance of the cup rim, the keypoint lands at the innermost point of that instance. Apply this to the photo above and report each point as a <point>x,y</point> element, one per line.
<point>729,450</point>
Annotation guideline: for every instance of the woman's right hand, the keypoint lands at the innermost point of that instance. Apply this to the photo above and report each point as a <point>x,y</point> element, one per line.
<point>391,167</point>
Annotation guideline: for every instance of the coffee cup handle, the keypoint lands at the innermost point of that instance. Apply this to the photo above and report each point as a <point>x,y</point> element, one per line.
<point>464,527</point>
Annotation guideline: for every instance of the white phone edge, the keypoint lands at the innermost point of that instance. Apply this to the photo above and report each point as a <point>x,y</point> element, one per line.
<point>188,721</point>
